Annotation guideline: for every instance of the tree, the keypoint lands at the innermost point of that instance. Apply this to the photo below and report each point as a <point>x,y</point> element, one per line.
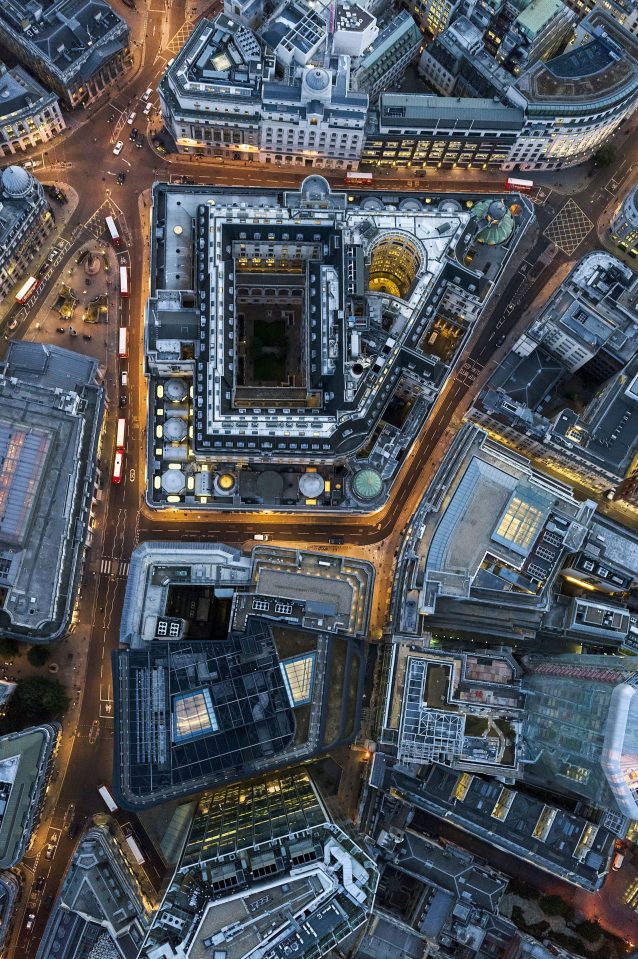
<point>38,655</point>
<point>37,699</point>
<point>605,155</point>
<point>9,647</point>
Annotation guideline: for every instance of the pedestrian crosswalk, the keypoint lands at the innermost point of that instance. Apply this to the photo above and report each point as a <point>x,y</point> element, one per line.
<point>111,566</point>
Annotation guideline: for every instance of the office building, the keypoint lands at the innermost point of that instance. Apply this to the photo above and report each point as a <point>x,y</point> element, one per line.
<point>25,222</point>
<point>586,334</point>
<point>306,334</point>
<point>535,32</point>
<point>51,408</point>
<point>25,765</point>
<point>220,98</point>
<point>579,728</point>
<point>458,709</point>
<point>103,908</point>
<point>210,96</point>
<point>574,102</point>
<point>432,16</point>
<point>281,681</point>
<point>490,568</point>
<point>29,114</point>
<point>314,121</point>
<point>418,130</point>
<point>9,896</point>
<point>564,844</point>
<point>75,47</point>
<point>624,223</point>
<point>264,872</point>
<point>383,63</point>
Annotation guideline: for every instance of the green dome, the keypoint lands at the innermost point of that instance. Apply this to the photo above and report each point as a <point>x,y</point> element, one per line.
<point>495,222</point>
<point>367,484</point>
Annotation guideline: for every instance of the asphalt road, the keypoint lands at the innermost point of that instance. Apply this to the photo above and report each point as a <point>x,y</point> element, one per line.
<point>84,159</point>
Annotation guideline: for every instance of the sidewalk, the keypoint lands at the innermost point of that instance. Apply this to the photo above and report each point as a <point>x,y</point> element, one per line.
<point>62,214</point>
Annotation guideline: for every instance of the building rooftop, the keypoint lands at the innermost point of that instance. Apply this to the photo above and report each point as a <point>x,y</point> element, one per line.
<point>71,36</point>
<point>603,68</point>
<point>101,909</point>
<point>558,842</point>
<point>21,92</point>
<point>416,110</point>
<point>50,419</point>
<point>362,278</point>
<point>279,878</point>
<point>235,667</point>
<point>537,15</point>
<point>24,764</point>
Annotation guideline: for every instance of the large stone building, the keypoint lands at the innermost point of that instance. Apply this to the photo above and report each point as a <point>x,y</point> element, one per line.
<point>25,222</point>
<point>51,408</point>
<point>571,104</point>
<point>624,223</point>
<point>221,98</point>
<point>418,130</point>
<point>29,115</point>
<point>306,334</point>
<point>75,47</point>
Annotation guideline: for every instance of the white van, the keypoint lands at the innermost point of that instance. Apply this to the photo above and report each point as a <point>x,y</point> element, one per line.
<point>262,537</point>
<point>124,378</point>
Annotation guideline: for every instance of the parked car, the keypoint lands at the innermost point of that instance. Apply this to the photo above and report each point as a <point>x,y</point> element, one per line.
<point>131,117</point>
<point>133,134</point>
<point>121,177</point>
<point>147,93</point>
<point>147,109</point>
<point>117,149</point>
<point>60,329</point>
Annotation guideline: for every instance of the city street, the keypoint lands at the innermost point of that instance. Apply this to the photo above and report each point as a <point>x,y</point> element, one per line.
<point>83,159</point>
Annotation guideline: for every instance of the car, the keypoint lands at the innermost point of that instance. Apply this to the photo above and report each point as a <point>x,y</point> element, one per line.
<point>54,254</point>
<point>117,149</point>
<point>336,540</point>
<point>50,851</point>
<point>30,164</point>
<point>13,325</point>
<point>139,143</point>
<point>147,109</point>
<point>147,93</point>
<point>87,336</point>
<point>500,340</point>
<point>39,883</point>
<point>121,177</point>
<point>73,830</point>
<point>61,196</point>
<point>123,399</point>
<point>73,332</point>
<point>131,117</point>
<point>60,329</point>
<point>124,378</point>
<point>134,133</point>
<point>160,148</point>
<point>261,537</point>
<point>43,269</point>
<point>30,920</point>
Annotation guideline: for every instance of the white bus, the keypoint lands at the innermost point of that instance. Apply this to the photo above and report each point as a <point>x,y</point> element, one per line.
<point>352,177</point>
<point>27,289</point>
<point>122,349</point>
<point>108,799</point>
<point>120,440</point>
<point>123,281</point>
<point>513,184</point>
<point>111,227</point>
<point>135,850</point>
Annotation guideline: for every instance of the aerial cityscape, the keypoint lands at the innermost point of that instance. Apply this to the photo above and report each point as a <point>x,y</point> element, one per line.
<point>319,479</point>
